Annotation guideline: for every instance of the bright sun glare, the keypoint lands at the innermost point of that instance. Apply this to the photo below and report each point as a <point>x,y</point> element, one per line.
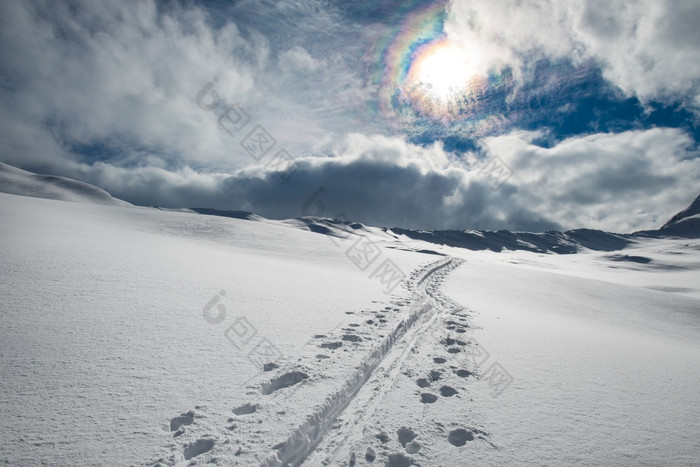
<point>444,70</point>
<point>441,73</point>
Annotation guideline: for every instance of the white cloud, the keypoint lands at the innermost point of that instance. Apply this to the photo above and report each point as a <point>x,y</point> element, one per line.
<point>648,48</point>
<point>297,59</point>
<point>123,76</point>
<point>85,73</point>
<point>619,182</point>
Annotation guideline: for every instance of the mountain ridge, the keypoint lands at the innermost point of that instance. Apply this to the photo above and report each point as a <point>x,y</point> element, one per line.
<point>685,223</point>
<point>16,181</point>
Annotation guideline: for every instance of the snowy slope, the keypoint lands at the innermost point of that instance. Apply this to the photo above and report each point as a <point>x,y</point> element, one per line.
<point>541,361</point>
<point>686,223</point>
<point>691,211</point>
<point>140,336</point>
<point>104,339</point>
<point>571,241</point>
<point>20,182</point>
<point>604,371</point>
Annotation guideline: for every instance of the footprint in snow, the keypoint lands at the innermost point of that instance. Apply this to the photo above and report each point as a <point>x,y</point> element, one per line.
<point>331,345</point>
<point>382,437</point>
<point>460,437</point>
<point>245,409</point>
<point>399,460</point>
<point>423,382</point>
<point>449,342</point>
<point>457,325</point>
<point>283,381</point>
<point>413,447</point>
<point>464,373</point>
<point>198,447</point>
<point>405,435</point>
<point>182,419</point>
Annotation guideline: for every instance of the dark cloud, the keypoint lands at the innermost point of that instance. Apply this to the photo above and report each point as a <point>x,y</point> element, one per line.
<point>617,182</point>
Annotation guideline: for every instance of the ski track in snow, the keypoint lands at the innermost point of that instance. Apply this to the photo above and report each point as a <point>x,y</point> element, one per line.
<point>409,411</point>
<point>318,406</point>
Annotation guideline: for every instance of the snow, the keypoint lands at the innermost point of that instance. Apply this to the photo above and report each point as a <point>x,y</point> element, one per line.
<point>692,210</point>
<point>603,373</point>
<point>142,336</point>
<point>20,182</point>
<point>103,337</point>
<point>687,227</point>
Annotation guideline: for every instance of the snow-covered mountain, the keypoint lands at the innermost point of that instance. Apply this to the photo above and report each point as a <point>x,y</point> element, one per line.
<point>684,224</point>
<point>20,182</point>
<point>145,336</point>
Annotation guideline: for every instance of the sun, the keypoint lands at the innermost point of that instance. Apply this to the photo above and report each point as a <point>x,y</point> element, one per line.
<point>440,75</point>
<point>443,67</point>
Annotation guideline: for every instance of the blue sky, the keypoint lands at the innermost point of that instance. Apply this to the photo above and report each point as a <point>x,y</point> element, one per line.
<point>522,115</point>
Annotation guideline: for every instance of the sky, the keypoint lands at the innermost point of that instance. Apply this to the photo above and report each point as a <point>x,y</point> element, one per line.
<point>466,114</point>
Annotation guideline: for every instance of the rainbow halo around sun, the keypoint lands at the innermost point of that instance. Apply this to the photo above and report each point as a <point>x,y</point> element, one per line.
<point>442,78</point>
<point>428,82</point>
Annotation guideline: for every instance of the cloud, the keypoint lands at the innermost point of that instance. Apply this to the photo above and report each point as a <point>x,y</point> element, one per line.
<point>98,80</point>
<point>614,181</point>
<point>100,72</point>
<point>297,59</point>
<point>619,182</point>
<point>647,48</point>
<point>106,92</point>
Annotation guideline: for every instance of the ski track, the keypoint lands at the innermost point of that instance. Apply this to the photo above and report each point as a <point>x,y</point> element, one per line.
<point>415,409</point>
<point>203,435</point>
<point>371,394</point>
